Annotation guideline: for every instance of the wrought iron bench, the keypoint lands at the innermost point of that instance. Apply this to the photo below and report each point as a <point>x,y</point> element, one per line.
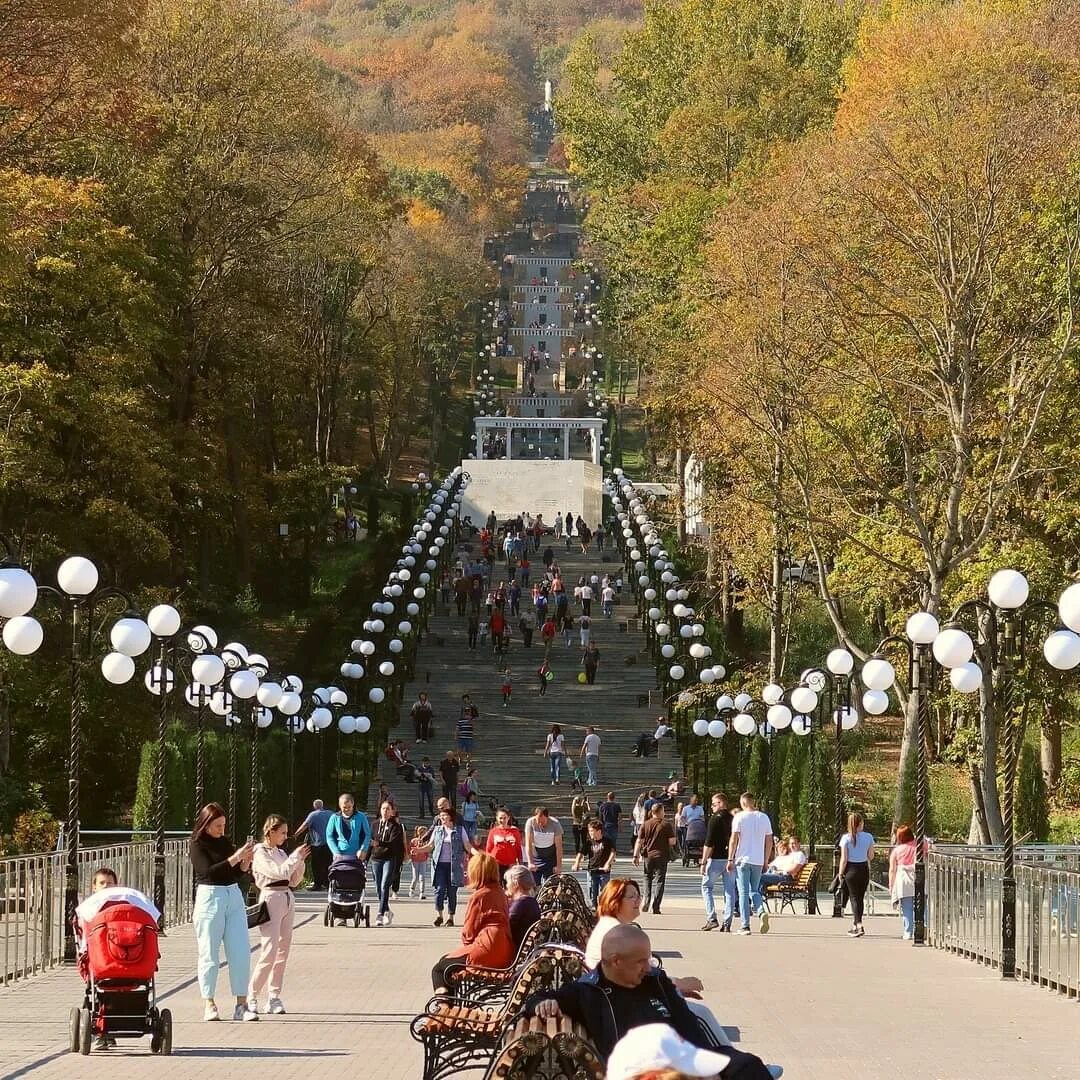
<point>462,1036</point>
<point>489,986</point>
<point>536,1049</point>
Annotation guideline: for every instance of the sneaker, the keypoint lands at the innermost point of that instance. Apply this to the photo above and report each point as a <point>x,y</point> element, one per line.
<point>378,920</point>
<point>388,918</point>
<point>449,920</point>
<point>245,1012</point>
<point>853,932</point>
<point>775,1071</point>
<point>210,1011</point>
<point>101,1043</point>
<point>907,937</point>
<point>253,1005</point>
<point>763,922</point>
<point>743,931</point>
<point>276,1006</point>
<point>438,920</point>
<point>712,924</point>
<point>862,932</point>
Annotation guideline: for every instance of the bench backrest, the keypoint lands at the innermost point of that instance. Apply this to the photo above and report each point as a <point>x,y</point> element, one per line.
<point>547,969</point>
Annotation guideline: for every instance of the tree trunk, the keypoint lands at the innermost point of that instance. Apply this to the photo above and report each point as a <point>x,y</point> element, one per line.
<point>908,750</point>
<point>776,599</point>
<point>1050,745</point>
<point>241,530</point>
<point>680,509</point>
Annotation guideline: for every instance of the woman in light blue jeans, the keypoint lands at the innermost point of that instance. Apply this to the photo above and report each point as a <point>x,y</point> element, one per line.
<point>220,917</point>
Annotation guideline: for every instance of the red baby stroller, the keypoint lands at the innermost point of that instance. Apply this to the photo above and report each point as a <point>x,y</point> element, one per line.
<point>118,958</point>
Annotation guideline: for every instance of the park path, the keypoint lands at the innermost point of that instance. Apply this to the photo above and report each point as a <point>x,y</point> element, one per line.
<point>826,1007</point>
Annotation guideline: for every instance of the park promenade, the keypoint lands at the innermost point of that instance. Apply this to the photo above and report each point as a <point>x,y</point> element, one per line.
<point>825,1006</point>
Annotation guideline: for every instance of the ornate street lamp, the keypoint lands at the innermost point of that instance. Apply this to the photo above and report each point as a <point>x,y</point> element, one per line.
<point>834,685</point>
<point>878,676</point>
<point>78,595</point>
<point>1003,625</point>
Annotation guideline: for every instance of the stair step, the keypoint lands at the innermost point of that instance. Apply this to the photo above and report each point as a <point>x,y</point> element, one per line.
<point>509,743</point>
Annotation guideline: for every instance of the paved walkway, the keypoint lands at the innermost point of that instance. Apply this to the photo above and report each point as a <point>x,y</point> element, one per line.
<point>826,1007</point>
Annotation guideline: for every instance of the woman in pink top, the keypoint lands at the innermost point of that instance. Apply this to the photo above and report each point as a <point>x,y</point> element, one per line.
<point>276,875</point>
<point>902,878</point>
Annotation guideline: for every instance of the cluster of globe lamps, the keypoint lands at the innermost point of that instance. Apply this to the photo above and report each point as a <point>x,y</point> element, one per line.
<point>431,539</point>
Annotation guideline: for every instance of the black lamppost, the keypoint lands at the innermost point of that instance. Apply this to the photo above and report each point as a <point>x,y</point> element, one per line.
<point>1003,626</point>
<point>834,683</point>
<point>879,676</point>
<point>78,595</point>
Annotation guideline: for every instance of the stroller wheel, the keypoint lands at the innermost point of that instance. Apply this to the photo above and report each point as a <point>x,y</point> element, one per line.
<point>356,919</point>
<point>86,1031</point>
<point>367,916</point>
<point>326,917</point>
<point>73,1031</point>
<point>165,1030</point>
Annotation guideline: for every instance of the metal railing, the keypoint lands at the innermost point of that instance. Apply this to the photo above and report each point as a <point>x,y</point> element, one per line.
<point>32,898</point>
<point>964,910</point>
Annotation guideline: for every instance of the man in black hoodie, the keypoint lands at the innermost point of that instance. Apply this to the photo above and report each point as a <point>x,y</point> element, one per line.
<point>626,991</point>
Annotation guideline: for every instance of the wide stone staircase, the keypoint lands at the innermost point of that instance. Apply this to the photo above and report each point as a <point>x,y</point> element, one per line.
<point>509,745</point>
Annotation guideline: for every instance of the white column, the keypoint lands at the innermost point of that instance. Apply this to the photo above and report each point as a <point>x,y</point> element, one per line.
<point>595,445</point>
<point>509,443</point>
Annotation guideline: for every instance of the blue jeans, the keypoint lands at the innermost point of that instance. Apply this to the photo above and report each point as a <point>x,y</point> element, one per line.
<point>597,880</point>
<point>445,890</point>
<point>907,914</point>
<point>592,761</point>
<point>716,871</point>
<point>220,918</point>
<point>545,865</point>
<point>775,879</point>
<point>748,879</point>
<point>555,762</point>
<point>384,872</point>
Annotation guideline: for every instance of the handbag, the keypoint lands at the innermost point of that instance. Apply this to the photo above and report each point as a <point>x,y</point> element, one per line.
<point>834,885</point>
<point>257,914</point>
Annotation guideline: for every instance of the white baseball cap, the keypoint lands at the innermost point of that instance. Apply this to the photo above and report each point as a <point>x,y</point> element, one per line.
<point>660,1046</point>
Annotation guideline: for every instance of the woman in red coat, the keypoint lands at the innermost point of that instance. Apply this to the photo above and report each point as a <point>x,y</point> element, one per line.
<point>485,936</point>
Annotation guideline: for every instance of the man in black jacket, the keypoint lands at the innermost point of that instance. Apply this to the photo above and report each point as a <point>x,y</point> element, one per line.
<point>627,991</point>
<point>714,864</point>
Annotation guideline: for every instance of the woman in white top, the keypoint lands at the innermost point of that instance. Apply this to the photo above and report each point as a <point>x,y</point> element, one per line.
<point>554,748</point>
<point>620,903</point>
<point>276,875</point>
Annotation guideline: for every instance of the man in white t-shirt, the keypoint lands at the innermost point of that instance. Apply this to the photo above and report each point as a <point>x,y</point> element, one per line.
<point>590,753</point>
<point>750,851</point>
<point>607,596</point>
<point>586,599</point>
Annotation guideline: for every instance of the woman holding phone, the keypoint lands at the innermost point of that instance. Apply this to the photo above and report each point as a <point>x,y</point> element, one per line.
<point>220,917</point>
<point>276,873</point>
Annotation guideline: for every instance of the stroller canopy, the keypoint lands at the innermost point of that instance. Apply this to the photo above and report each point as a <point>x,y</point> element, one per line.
<point>118,894</point>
